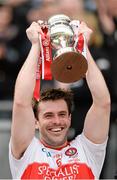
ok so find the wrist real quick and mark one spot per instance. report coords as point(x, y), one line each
point(36, 46)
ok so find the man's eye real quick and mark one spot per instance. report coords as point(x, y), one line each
point(48, 116)
point(62, 114)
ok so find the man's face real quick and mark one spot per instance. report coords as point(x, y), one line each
point(54, 122)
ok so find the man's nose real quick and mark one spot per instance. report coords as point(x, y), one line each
point(57, 119)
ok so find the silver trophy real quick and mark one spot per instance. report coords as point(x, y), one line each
point(68, 65)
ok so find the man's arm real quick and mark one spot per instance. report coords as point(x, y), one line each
point(96, 124)
point(23, 120)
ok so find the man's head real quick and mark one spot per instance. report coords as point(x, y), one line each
point(53, 114)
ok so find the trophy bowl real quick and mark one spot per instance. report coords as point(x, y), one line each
point(68, 65)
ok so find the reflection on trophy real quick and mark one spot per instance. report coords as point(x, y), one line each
point(68, 64)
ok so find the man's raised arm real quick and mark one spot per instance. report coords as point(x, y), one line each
point(96, 124)
point(23, 120)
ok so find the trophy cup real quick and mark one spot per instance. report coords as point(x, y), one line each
point(68, 64)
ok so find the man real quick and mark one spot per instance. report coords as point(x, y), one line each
point(52, 157)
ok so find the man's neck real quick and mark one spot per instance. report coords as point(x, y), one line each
point(59, 147)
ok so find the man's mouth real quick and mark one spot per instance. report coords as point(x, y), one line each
point(58, 129)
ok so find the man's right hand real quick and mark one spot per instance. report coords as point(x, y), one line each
point(33, 32)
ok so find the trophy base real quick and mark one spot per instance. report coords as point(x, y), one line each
point(69, 67)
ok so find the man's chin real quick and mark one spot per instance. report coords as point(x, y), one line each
point(56, 143)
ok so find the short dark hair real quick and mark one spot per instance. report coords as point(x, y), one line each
point(54, 94)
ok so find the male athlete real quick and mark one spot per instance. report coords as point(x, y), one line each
point(51, 156)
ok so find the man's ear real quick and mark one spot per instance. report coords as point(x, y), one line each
point(70, 117)
point(36, 124)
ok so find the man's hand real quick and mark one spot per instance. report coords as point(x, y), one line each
point(81, 28)
point(85, 30)
point(33, 32)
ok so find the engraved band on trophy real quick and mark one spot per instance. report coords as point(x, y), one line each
point(68, 64)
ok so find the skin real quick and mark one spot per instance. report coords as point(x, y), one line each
point(54, 122)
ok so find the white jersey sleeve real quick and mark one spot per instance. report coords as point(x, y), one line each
point(17, 166)
point(95, 153)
